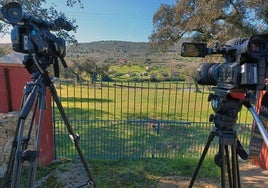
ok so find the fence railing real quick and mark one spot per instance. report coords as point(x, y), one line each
point(138, 120)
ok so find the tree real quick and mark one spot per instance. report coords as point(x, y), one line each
point(76, 68)
point(5, 49)
point(37, 10)
point(90, 67)
point(85, 68)
point(209, 19)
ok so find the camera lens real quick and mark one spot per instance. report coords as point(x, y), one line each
point(207, 73)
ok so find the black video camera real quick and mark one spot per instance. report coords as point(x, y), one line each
point(32, 36)
point(245, 66)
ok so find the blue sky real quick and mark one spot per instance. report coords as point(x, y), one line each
point(126, 20)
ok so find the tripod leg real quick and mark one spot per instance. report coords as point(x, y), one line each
point(228, 166)
point(229, 139)
point(16, 177)
point(238, 173)
point(32, 158)
point(14, 146)
point(223, 164)
point(235, 168)
point(20, 142)
point(12, 157)
point(71, 132)
point(210, 139)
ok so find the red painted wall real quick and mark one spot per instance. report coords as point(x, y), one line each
point(13, 78)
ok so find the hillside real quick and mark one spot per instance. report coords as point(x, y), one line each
point(131, 51)
point(114, 51)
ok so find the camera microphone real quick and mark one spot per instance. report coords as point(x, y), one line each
point(63, 23)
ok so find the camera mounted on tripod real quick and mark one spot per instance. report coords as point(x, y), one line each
point(244, 71)
point(32, 36)
point(245, 66)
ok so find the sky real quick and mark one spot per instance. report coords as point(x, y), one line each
point(124, 20)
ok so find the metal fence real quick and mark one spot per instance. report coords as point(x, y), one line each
point(138, 120)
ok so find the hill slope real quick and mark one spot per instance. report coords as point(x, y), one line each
point(133, 51)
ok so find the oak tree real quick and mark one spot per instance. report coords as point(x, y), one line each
point(209, 20)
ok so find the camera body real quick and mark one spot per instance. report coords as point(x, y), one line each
point(20, 39)
point(31, 35)
point(245, 66)
point(26, 39)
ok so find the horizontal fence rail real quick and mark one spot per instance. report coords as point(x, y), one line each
point(138, 120)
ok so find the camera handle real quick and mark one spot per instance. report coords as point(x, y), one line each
point(257, 120)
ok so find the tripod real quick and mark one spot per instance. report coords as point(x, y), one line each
point(226, 110)
point(34, 98)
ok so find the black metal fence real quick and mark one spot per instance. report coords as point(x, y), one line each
point(138, 120)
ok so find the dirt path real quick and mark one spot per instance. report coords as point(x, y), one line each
point(251, 177)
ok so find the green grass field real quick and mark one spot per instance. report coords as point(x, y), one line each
point(119, 100)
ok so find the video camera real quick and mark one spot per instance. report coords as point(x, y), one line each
point(32, 36)
point(245, 66)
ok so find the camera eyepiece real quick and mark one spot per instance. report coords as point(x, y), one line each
point(12, 12)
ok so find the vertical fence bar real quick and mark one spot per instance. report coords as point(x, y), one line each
point(128, 98)
point(175, 101)
point(81, 101)
point(182, 99)
point(134, 100)
point(162, 99)
point(108, 99)
point(141, 101)
point(100, 99)
point(121, 101)
point(114, 100)
point(169, 96)
point(155, 100)
point(148, 100)
point(202, 99)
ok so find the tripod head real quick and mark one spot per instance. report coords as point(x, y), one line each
point(226, 106)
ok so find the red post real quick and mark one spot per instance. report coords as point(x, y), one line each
point(4, 105)
point(13, 78)
point(46, 154)
point(258, 149)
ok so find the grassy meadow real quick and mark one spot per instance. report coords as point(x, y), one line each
point(128, 100)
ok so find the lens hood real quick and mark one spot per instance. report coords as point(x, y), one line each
point(12, 12)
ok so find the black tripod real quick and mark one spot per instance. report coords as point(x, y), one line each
point(34, 99)
point(226, 110)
